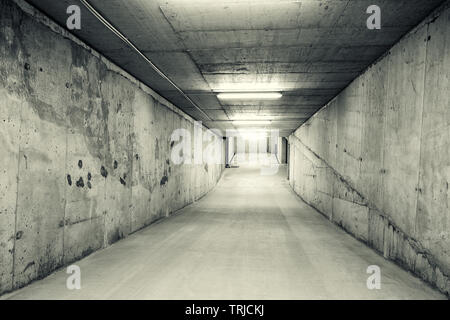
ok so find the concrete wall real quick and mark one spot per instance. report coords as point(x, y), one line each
point(281, 150)
point(376, 159)
point(84, 150)
point(231, 150)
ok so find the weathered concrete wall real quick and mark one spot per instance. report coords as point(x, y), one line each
point(84, 150)
point(231, 149)
point(376, 159)
point(281, 150)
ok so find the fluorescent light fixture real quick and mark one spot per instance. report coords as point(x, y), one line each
point(256, 122)
point(249, 95)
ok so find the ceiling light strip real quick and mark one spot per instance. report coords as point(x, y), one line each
point(130, 44)
point(249, 95)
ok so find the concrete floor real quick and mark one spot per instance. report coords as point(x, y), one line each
point(250, 238)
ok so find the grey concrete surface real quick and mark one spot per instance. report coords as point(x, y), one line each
point(249, 238)
point(85, 146)
point(85, 151)
point(375, 160)
point(308, 49)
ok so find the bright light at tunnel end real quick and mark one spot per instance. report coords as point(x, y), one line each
point(249, 95)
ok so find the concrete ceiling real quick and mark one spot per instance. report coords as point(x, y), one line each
point(307, 49)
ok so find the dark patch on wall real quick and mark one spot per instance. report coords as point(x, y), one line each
point(89, 176)
point(69, 179)
point(172, 143)
point(89, 185)
point(87, 252)
point(122, 181)
point(157, 149)
point(115, 236)
point(80, 164)
point(103, 172)
point(115, 164)
point(163, 181)
point(137, 156)
point(79, 58)
point(48, 264)
point(32, 263)
point(433, 20)
point(19, 235)
point(206, 167)
point(27, 66)
point(80, 183)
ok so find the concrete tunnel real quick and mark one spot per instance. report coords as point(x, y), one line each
point(235, 149)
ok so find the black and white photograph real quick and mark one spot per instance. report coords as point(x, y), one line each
point(221, 159)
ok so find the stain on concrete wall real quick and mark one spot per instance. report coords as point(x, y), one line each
point(83, 147)
point(376, 159)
